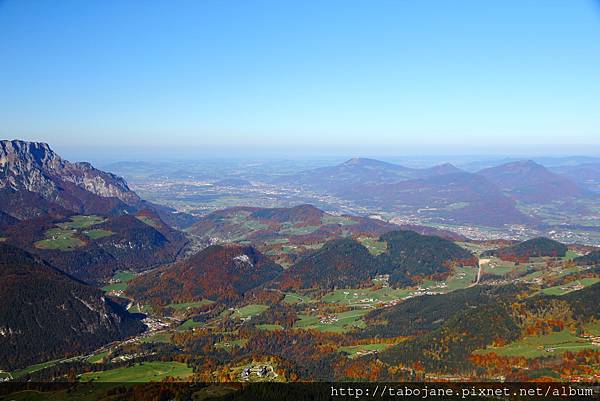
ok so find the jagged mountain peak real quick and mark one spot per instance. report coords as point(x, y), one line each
point(17, 151)
point(34, 167)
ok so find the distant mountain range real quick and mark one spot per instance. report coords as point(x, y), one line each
point(586, 175)
point(360, 172)
point(487, 197)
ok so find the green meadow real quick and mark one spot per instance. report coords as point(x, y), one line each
point(189, 324)
point(119, 281)
point(189, 305)
point(60, 239)
point(569, 287)
point(367, 297)
point(248, 311)
point(65, 236)
point(293, 298)
point(374, 246)
point(547, 345)
point(98, 233)
point(337, 323)
point(140, 373)
point(356, 350)
point(98, 357)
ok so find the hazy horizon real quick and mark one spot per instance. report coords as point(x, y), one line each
point(306, 79)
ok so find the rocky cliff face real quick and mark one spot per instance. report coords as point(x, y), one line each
point(33, 167)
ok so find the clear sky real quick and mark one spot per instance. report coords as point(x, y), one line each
point(355, 77)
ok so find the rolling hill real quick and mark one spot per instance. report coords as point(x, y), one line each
point(415, 255)
point(339, 263)
point(586, 175)
point(458, 197)
point(535, 247)
point(287, 233)
point(219, 272)
point(439, 192)
point(360, 172)
point(530, 182)
point(420, 315)
point(408, 257)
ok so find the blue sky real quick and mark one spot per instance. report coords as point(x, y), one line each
point(328, 77)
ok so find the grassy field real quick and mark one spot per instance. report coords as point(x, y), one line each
point(140, 373)
point(119, 281)
point(336, 323)
point(39, 366)
point(367, 297)
point(248, 311)
point(61, 239)
point(360, 350)
point(293, 298)
point(189, 324)
point(98, 357)
point(462, 277)
point(533, 347)
point(98, 233)
point(297, 230)
point(137, 308)
point(499, 267)
point(375, 247)
point(65, 237)
point(570, 255)
point(189, 305)
point(569, 287)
